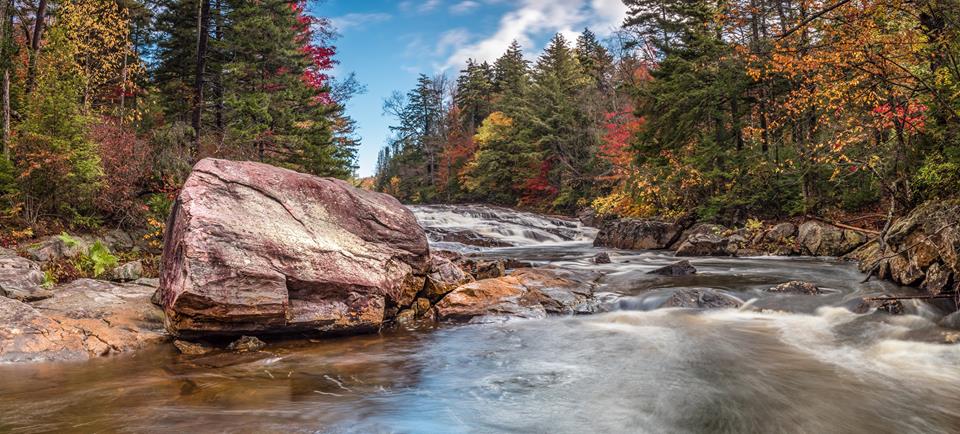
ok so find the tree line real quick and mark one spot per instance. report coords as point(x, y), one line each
point(108, 103)
point(727, 110)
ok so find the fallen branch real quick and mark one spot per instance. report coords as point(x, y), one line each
point(843, 226)
point(912, 297)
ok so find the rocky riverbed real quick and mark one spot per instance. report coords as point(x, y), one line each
point(279, 312)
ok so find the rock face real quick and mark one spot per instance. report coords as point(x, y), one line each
point(254, 248)
point(528, 293)
point(21, 278)
point(822, 239)
point(635, 234)
point(704, 245)
point(921, 249)
point(444, 276)
point(682, 268)
point(85, 318)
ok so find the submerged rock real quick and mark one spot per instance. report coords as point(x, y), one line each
point(636, 234)
point(191, 348)
point(602, 258)
point(682, 268)
point(246, 344)
point(528, 293)
point(796, 287)
point(701, 299)
point(254, 248)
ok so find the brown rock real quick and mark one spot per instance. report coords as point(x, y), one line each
point(250, 247)
point(937, 279)
point(601, 258)
point(191, 348)
point(822, 239)
point(246, 344)
point(635, 234)
point(903, 271)
point(83, 319)
point(780, 233)
point(528, 293)
point(444, 276)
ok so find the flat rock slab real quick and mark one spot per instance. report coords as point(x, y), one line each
point(83, 319)
point(527, 293)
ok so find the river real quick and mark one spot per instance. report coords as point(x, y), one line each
point(786, 363)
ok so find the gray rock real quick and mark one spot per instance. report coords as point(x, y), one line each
point(602, 258)
point(822, 239)
point(682, 268)
point(21, 278)
point(704, 245)
point(701, 299)
point(127, 272)
point(780, 232)
point(635, 234)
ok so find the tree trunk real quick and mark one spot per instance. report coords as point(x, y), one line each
point(203, 27)
point(35, 46)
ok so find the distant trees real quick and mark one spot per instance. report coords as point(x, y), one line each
point(107, 103)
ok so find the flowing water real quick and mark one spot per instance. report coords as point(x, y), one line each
point(787, 363)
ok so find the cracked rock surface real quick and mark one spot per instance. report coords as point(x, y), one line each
point(85, 318)
point(254, 248)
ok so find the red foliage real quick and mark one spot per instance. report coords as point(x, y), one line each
point(910, 115)
point(314, 35)
point(126, 166)
point(620, 127)
point(538, 190)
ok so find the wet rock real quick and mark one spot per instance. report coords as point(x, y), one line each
point(191, 348)
point(85, 318)
point(867, 305)
point(701, 299)
point(704, 245)
point(699, 229)
point(21, 278)
point(682, 268)
point(127, 272)
point(444, 276)
point(602, 258)
point(528, 293)
point(796, 287)
point(636, 234)
point(513, 264)
point(468, 238)
point(484, 268)
point(251, 248)
point(246, 344)
point(589, 217)
point(951, 321)
point(822, 239)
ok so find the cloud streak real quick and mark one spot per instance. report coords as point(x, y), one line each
point(358, 20)
point(533, 18)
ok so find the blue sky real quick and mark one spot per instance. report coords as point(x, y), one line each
point(388, 43)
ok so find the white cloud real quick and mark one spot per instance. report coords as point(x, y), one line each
point(464, 7)
point(451, 40)
point(422, 6)
point(357, 20)
point(535, 18)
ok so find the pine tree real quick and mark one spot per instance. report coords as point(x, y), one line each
point(473, 93)
point(511, 78)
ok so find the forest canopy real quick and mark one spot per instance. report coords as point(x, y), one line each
point(726, 110)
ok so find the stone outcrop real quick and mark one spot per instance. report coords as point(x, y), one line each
point(252, 248)
point(527, 293)
point(694, 298)
point(21, 278)
point(705, 244)
point(921, 249)
point(823, 239)
point(444, 276)
point(637, 234)
point(83, 319)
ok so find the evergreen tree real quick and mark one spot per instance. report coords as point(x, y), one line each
point(473, 93)
point(511, 78)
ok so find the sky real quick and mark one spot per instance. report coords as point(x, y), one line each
point(388, 43)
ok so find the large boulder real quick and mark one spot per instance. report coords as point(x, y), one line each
point(21, 278)
point(704, 244)
point(85, 318)
point(527, 293)
point(822, 239)
point(636, 234)
point(253, 248)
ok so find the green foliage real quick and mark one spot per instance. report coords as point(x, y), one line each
point(100, 259)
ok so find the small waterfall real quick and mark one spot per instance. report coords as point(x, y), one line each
point(490, 226)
